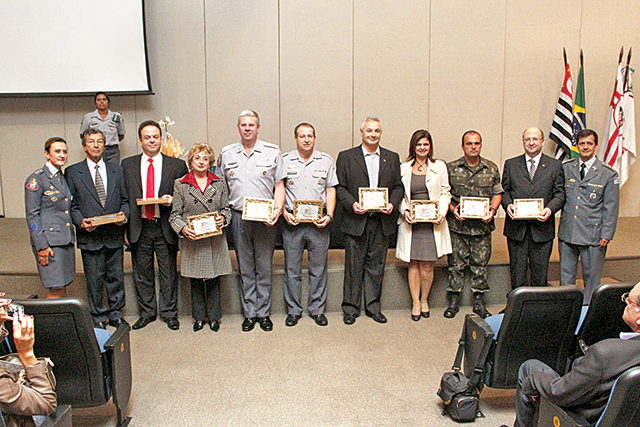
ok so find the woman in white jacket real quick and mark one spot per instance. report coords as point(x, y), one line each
point(421, 244)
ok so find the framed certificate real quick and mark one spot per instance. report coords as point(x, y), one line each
point(142, 202)
point(373, 198)
point(474, 207)
point(424, 210)
point(527, 208)
point(204, 225)
point(307, 210)
point(257, 209)
point(106, 219)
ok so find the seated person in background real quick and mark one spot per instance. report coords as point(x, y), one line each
point(19, 401)
point(585, 389)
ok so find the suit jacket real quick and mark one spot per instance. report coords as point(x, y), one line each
point(86, 204)
point(172, 169)
point(590, 212)
point(437, 181)
point(47, 203)
point(547, 184)
point(352, 174)
point(586, 388)
point(209, 257)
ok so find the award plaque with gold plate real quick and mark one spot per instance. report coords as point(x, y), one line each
point(204, 225)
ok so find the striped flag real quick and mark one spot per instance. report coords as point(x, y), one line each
point(579, 110)
point(620, 150)
point(561, 129)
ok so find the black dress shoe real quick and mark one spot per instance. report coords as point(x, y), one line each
point(248, 324)
point(415, 317)
point(198, 325)
point(349, 319)
point(215, 326)
point(425, 314)
point(320, 319)
point(116, 323)
point(378, 317)
point(173, 323)
point(142, 322)
point(265, 323)
point(100, 325)
point(292, 319)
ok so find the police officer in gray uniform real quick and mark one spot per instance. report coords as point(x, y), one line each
point(471, 176)
point(47, 201)
point(311, 175)
point(110, 123)
point(589, 216)
point(253, 169)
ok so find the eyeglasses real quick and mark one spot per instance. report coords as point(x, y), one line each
point(625, 299)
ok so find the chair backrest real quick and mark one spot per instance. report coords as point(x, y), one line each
point(64, 333)
point(539, 323)
point(623, 408)
point(604, 316)
point(477, 333)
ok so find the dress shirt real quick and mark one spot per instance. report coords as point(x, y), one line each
point(536, 161)
point(157, 176)
point(587, 164)
point(310, 180)
point(54, 170)
point(372, 161)
point(103, 172)
point(628, 335)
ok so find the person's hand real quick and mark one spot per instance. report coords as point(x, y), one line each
point(407, 217)
point(121, 218)
point(358, 209)
point(88, 225)
point(167, 200)
point(489, 216)
point(546, 213)
point(23, 337)
point(291, 220)
point(220, 221)
point(510, 211)
point(274, 217)
point(323, 222)
point(440, 219)
point(604, 242)
point(456, 213)
point(188, 233)
point(43, 256)
point(388, 210)
point(3, 311)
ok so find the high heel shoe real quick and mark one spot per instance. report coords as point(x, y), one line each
point(198, 325)
point(215, 326)
point(425, 314)
point(415, 317)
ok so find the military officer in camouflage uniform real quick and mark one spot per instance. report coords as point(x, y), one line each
point(471, 176)
point(589, 216)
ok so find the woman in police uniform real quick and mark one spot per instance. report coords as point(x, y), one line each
point(47, 202)
point(110, 123)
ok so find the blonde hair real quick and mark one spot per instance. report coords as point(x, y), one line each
point(200, 147)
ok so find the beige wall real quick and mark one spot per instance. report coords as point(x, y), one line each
point(445, 65)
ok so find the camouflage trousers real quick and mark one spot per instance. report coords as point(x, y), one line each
point(473, 252)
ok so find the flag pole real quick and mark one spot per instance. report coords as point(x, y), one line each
point(626, 73)
point(581, 59)
point(564, 54)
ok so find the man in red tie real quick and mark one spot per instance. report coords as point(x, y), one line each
point(150, 175)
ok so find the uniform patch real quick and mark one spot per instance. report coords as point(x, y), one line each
point(34, 226)
point(32, 185)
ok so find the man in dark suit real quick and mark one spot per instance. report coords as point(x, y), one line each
point(151, 175)
point(585, 389)
point(532, 175)
point(98, 189)
point(590, 215)
point(366, 233)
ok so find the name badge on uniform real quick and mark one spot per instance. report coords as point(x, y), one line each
point(264, 162)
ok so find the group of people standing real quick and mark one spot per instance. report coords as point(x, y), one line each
point(151, 196)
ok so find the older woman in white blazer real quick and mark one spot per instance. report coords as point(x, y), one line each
point(421, 244)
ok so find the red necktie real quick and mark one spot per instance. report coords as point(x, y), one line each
point(150, 210)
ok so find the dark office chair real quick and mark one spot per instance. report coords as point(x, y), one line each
point(622, 410)
point(539, 323)
point(85, 377)
point(604, 316)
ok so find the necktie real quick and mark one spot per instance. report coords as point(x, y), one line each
point(102, 194)
point(150, 210)
point(582, 168)
point(532, 168)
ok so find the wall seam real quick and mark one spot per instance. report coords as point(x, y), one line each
point(504, 80)
point(353, 70)
point(206, 69)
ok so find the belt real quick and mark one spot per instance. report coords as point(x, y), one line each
point(151, 221)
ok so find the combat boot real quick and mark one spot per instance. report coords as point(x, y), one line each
point(454, 302)
point(478, 305)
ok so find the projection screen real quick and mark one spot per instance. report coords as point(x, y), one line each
point(72, 47)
